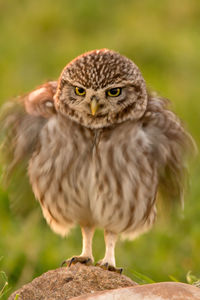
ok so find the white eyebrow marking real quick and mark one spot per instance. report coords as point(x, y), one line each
point(35, 93)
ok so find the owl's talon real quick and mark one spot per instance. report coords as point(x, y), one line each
point(71, 261)
point(78, 259)
point(63, 263)
point(118, 270)
point(108, 267)
point(105, 266)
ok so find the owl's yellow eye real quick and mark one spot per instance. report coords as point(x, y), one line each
point(114, 92)
point(80, 91)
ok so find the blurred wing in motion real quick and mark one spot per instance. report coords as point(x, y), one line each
point(21, 121)
point(171, 144)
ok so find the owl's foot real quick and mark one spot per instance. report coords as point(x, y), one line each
point(107, 266)
point(78, 259)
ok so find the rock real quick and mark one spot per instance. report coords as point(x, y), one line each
point(155, 291)
point(80, 282)
point(65, 283)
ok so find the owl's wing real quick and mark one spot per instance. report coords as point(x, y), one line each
point(21, 121)
point(171, 145)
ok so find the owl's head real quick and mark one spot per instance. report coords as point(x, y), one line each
point(101, 88)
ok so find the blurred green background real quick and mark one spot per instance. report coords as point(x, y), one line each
point(37, 39)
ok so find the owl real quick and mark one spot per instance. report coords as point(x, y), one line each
point(98, 147)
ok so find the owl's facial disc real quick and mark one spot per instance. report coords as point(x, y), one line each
point(95, 104)
point(101, 88)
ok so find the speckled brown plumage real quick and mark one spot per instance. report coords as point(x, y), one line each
point(103, 167)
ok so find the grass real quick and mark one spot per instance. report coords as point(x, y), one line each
point(3, 283)
point(162, 37)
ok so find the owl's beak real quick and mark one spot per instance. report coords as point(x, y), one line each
point(94, 106)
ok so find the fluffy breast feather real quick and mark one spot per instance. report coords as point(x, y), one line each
point(87, 179)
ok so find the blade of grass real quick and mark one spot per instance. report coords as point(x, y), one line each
point(2, 292)
point(4, 276)
point(142, 278)
point(173, 278)
point(191, 278)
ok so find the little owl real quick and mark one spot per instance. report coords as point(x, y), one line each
point(98, 147)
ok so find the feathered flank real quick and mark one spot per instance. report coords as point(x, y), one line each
point(171, 145)
point(19, 134)
point(21, 121)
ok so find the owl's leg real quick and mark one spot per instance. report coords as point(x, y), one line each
point(86, 256)
point(108, 262)
point(87, 234)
